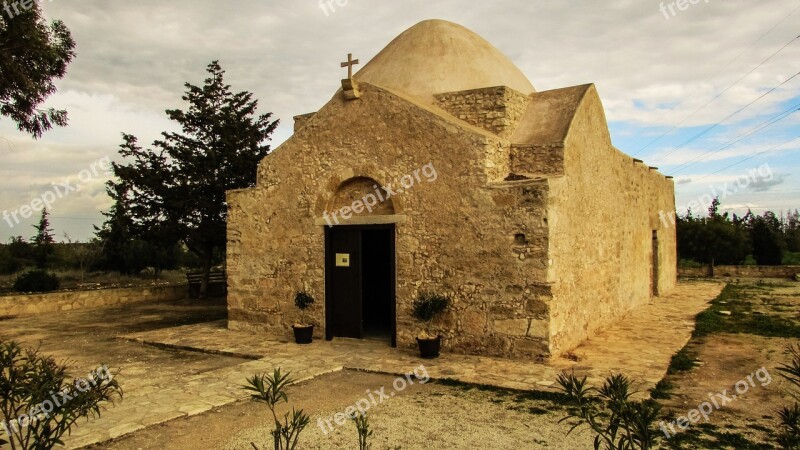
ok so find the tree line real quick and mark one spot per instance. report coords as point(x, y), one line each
point(729, 239)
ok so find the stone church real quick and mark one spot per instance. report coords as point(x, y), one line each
point(438, 167)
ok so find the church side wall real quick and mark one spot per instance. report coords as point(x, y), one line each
point(483, 243)
point(603, 214)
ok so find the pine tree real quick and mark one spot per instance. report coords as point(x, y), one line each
point(177, 189)
point(43, 241)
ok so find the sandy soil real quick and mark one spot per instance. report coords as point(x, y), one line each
point(429, 416)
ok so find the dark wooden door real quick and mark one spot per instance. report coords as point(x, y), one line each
point(343, 307)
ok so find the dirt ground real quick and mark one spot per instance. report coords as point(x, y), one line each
point(749, 356)
point(422, 416)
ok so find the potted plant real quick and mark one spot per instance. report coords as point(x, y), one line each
point(427, 307)
point(303, 331)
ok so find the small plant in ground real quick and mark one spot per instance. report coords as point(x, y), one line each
point(37, 402)
point(303, 301)
point(619, 423)
point(789, 436)
point(271, 389)
point(364, 433)
point(427, 307)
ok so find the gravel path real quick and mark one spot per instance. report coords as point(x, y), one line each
point(444, 417)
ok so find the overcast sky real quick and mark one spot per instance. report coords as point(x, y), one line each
point(672, 81)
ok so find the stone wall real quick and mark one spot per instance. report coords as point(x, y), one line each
point(602, 216)
point(496, 109)
point(467, 235)
point(18, 305)
point(537, 160)
point(741, 271)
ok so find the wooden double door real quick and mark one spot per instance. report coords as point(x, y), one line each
point(360, 282)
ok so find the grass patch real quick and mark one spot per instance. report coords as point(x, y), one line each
point(534, 410)
point(557, 398)
point(738, 300)
point(519, 395)
point(683, 361)
point(708, 437)
point(761, 428)
point(450, 382)
point(662, 390)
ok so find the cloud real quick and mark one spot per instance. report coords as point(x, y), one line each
point(134, 57)
point(766, 184)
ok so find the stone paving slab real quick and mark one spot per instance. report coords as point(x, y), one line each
point(640, 345)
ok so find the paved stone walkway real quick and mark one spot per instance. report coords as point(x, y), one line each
point(640, 345)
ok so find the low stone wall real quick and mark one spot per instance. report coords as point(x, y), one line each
point(741, 272)
point(18, 305)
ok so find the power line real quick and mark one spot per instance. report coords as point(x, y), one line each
point(741, 137)
point(704, 132)
point(751, 157)
point(723, 68)
point(675, 127)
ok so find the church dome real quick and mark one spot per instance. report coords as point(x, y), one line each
point(437, 56)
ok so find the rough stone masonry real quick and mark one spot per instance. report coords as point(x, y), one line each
point(537, 227)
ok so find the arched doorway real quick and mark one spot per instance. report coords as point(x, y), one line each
point(360, 263)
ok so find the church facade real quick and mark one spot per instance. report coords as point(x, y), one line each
point(438, 167)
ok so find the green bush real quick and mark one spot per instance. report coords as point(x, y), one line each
point(28, 381)
point(689, 264)
point(271, 389)
point(303, 301)
point(8, 264)
point(36, 281)
point(618, 422)
point(789, 430)
point(429, 305)
point(791, 259)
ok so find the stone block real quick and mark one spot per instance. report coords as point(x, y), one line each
point(539, 329)
point(473, 322)
point(511, 327)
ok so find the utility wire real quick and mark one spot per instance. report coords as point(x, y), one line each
point(675, 127)
point(704, 132)
point(751, 157)
point(741, 137)
point(723, 68)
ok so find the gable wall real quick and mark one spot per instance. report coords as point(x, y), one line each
point(459, 235)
